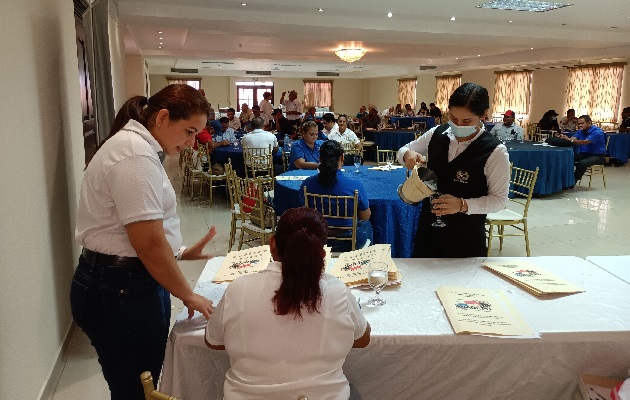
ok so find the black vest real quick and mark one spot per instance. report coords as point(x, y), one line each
point(462, 177)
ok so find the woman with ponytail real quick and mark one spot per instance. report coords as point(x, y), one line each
point(289, 328)
point(333, 181)
point(129, 230)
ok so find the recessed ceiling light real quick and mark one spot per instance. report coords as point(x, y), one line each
point(320, 9)
point(161, 38)
point(389, 14)
point(160, 47)
point(457, 58)
point(160, 32)
point(523, 5)
point(452, 18)
point(161, 43)
point(243, 4)
point(510, 21)
point(478, 55)
point(531, 48)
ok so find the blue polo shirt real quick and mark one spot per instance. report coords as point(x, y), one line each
point(597, 138)
point(220, 136)
point(345, 186)
point(300, 149)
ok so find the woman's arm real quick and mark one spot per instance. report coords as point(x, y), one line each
point(148, 240)
point(364, 215)
point(303, 164)
point(364, 340)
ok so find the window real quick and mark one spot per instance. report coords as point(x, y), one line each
point(595, 91)
point(252, 93)
point(407, 92)
point(512, 91)
point(190, 82)
point(444, 88)
point(318, 94)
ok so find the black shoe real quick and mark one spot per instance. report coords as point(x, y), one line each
point(571, 187)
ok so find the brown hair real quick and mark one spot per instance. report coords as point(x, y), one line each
point(181, 101)
point(300, 238)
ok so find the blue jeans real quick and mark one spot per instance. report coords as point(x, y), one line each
point(126, 314)
point(364, 232)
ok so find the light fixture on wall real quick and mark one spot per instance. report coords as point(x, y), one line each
point(350, 55)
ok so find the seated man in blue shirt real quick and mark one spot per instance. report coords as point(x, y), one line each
point(305, 152)
point(224, 134)
point(332, 181)
point(592, 146)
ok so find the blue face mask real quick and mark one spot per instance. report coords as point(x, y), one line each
point(462, 131)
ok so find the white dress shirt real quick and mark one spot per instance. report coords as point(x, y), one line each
point(235, 124)
point(125, 183)
point(568, 125)
point(348, 136)
point(496, 170)
point(260, 139)
point(295, 105)
point(278, 356)
point(503, 132)
point(266, 109)
point(332, 131)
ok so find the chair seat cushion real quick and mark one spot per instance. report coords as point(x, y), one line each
point(504, 215)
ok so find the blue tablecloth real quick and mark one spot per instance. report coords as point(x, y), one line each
point(555, 164)
point(489, 125)
point(406, 122)
point(221, 155)
point(389, 139)
point(618, 146)
point(394, 222)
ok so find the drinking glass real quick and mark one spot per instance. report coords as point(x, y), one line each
point(377, 279)
point(357, 162)
point(389, 160)
point(438, 222)
point(236, 143)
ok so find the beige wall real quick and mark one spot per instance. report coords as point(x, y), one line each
point(425, 90)
point(350, 95)
point(548, 92)
point(134, 76)
point(382, 92)
point(41, 163)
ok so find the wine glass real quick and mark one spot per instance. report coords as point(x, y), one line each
point(438, 222)
point(389, 160)
point(235, 142)
point(377, 279)
point(357, 162)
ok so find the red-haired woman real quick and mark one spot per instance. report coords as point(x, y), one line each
point(289, 328)
point(127, 225)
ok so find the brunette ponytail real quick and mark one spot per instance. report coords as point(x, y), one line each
point(329, 154)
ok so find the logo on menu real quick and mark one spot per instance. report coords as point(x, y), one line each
point(474, 305)
point(461, 176)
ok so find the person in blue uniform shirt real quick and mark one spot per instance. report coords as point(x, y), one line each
point(473, 172)
point(591, 143)
point(333, 181)
point(305, 152)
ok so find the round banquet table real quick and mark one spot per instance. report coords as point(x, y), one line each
point(222, 154)
point(555, 164)
point(389, 139)
point(406, 122)
point(393, 221)
point(618, 145)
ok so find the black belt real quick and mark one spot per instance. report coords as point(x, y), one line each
point(108, 260)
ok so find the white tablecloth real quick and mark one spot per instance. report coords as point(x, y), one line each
point(414, 353)
point(616, 265)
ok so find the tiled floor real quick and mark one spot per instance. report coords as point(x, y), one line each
point(578, 222)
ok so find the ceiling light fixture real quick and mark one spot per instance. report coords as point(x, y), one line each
point(389, 14)
point(452, 18)
point(320, 9)
point(160, 47)
point(523, 5)
point(350, 55)
point(161, 43)
point(160, 32)
point(243, 4)
point(510, 21)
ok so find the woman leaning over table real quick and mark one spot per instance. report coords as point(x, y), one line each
point(305, 152)
point(473, 173)
point(289, 328)
point(129, 230)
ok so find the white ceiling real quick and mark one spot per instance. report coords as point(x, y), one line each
point(293, 39)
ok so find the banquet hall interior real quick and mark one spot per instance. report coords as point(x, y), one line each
point(138, 46)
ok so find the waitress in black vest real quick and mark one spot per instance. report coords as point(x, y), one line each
point(473, 173)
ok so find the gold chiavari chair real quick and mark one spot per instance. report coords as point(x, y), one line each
point(597, 169)
point(522, 184)
point(258, 219)
point(336, 209)
point(258, 161)
point(149, 388)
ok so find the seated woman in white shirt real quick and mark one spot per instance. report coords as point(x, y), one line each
point(289, 328)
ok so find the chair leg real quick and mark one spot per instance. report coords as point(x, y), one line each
point(240, 242)
point(489, 239)
point(501, 228)
point(590, 179)
point(232, 232)
point(210, 190)
point(526, 238)
point(604, 177)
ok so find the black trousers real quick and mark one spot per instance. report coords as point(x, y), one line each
point(585, 160)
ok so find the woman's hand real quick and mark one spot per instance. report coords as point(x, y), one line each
point(412, 159)
point(198, 303)
point(195, 252)
point(446, 204)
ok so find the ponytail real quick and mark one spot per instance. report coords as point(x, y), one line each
point(329, 154)
point(300, 237)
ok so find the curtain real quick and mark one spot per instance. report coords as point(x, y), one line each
point(512, 91)
point(318, 94)
point(595, 91)
point(190, 82)
point(407, 92)
point(444, 87)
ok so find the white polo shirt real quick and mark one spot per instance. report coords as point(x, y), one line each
point(295, 105)
point(280, 357)
point(125, 183)
point(348, 136)
point(259, 138)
